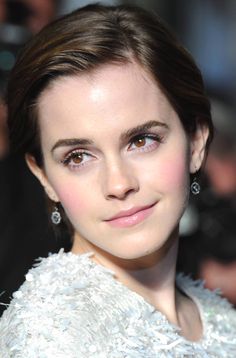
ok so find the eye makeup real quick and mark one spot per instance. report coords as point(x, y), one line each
point(143, 138)
point(141, 143)
point(145, 142)
point(124, 137)
point(77, 158)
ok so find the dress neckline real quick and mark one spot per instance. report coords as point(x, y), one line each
point(179, 285)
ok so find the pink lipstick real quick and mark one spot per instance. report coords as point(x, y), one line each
point(131, 217)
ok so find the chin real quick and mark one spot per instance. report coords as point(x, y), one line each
point(135, 251)
point(146, 248)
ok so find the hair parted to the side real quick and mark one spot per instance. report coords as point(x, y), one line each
point(88, 38)
point(93, 36)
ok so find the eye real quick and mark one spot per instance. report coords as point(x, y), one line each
point(145, 142)
point(140, 142)
point(76, 159)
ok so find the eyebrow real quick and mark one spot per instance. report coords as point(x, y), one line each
point(132, 132)
point(141, 128)
point(71, 142)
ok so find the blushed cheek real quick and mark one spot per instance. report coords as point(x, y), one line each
point(73, 201)
point(173, 174)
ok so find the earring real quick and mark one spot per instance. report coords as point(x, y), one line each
point(56, 216)
point(195, 187)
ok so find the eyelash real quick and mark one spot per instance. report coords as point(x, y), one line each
point(155, 137)
point(72, 155)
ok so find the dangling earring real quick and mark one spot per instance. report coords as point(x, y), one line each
point(195, 187)
point(56, 216)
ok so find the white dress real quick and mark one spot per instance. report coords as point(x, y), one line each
point(70, 307)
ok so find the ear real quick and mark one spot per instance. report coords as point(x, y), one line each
point(41, 176)
point(198, 147)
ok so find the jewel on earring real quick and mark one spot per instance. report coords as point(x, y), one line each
point(195, 187)
point(56, 216)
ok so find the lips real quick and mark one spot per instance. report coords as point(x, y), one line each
point(131, 217)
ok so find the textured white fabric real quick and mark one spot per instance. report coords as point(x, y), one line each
point(70, 307)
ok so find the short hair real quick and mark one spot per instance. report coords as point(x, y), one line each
point(88, 38)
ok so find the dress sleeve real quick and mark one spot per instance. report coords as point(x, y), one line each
point(45, 330)
point(27, 334)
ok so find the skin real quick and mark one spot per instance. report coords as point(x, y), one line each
point(120, 172)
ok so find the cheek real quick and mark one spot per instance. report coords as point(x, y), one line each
point(174, 174)
point(73, 198)
point(168, 169)
point(169, 172)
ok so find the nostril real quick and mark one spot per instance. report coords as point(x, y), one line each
point(121, 194)
point(119, 179)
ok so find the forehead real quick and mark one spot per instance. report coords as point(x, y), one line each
point(112, 96)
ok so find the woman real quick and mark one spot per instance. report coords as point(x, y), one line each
point(111, 114)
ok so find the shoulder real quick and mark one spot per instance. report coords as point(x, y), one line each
point(203, 296)
point(217, 314)
point(46, 308)
point(57, 275)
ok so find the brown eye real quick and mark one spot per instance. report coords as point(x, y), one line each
point(140, 142)
point(77, 158)
point(145, 142)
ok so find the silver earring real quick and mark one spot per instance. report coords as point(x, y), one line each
point(56, 216)
point(195, 187)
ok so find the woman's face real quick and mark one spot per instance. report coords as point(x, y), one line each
point(117, 158)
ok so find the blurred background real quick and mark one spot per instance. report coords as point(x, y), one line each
point(207, 28)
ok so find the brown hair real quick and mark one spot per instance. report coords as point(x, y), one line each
point(86, 39)
point(91, 37)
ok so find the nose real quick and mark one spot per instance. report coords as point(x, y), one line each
point(119, 181)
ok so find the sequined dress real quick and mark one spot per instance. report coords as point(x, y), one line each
point(70, 307)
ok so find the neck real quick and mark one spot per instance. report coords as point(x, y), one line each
point(155, 282)
point(152, 276)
